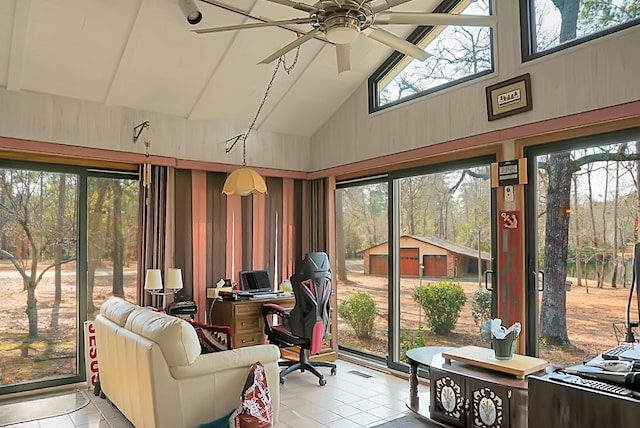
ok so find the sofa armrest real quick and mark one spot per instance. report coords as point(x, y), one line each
point(226, 360)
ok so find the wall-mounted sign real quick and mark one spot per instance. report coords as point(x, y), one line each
point(509, 97)
point(510, 273)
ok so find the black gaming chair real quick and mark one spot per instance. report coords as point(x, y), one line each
point(308, 322)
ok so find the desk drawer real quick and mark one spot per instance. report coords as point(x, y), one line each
point(248, 324)
point(242, 340)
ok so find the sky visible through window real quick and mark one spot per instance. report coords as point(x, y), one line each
point(456, 52)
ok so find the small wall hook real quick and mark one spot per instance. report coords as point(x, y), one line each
point(137, 130)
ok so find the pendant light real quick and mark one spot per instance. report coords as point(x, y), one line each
point(245, 181)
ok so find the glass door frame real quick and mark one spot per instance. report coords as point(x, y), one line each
point(82, 175)
point(394, 250)
point(534, 280)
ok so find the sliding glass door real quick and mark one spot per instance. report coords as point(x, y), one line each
point(413, 249)
point(43, 255)
point(362, 285)
point(443, 242)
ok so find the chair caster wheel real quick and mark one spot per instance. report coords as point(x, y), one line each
point(322, 382)
point(281, 381)
point(333, 371)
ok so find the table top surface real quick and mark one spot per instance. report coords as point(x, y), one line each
point(425, 354)
point(520, 365)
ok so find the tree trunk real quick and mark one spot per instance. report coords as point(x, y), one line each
point(614, 275)
point(118, 241)
point(32, 309)
point(576, 223)
point(594, 238)
point(553, 319)
point(342, 264)
point(603, 255)
point(60, 234)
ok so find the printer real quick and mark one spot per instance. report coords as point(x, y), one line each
point(183, 309)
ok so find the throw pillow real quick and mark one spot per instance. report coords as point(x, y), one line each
point(213, 338)
point(255, 410)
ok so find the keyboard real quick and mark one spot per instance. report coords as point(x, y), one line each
point(614, 353)
point(259, 296)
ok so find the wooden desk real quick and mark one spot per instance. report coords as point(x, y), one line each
point(245, 318)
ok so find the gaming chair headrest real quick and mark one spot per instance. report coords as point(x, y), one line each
point(315, 264)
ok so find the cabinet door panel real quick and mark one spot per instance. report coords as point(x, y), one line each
point(489, 404)
point(447, 398)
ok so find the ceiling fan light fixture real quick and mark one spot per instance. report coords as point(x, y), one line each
point(244, 181)
point(341, 29)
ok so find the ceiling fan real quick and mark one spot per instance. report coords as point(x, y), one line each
point(341, 21)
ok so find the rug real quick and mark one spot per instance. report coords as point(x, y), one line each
point(409, 421)
point(48, 406)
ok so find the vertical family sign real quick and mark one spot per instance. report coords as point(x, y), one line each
point(510, 278)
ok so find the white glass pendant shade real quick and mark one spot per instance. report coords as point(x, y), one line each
point(244, 182)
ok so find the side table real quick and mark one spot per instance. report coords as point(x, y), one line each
point(420, 357)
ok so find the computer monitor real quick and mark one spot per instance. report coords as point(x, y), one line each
point(254, 281)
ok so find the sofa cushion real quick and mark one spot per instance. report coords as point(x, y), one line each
point(117, 309)
point(177, 340)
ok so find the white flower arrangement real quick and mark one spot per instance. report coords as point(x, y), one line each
point(493, 329)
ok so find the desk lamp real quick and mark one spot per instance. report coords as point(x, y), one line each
point(153, 283)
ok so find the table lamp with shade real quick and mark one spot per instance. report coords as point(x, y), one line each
point(153, 283)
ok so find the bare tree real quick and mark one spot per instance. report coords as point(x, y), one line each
point(22, 201)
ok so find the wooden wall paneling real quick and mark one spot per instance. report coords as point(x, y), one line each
point(199, 209)
point(288, 227)
point(234, 237)
point(246, 239)
point(183, 247)
point(216, 228)
point(258, 245)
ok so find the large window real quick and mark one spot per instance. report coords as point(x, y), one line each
point(552, 25)
point(458, 53)
point(412, 246)
point(68, 239)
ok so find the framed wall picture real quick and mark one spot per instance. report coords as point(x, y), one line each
point(510, 97)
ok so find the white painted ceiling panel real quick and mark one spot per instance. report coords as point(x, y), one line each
point(74, 46)
point(142, 54)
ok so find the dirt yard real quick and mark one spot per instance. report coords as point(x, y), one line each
point(53, 353)
point(590, 318)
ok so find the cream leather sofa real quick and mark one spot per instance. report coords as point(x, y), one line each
point(151, 369)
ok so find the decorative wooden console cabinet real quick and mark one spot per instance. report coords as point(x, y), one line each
point(466, 394)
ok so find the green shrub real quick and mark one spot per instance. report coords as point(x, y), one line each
point(410, 340)
point(442, 304)
point(359, 311)
point(481, 307)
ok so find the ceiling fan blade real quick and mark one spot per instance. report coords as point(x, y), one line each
point(297, 42)
point(417, 18)
point(396, 43)
point(296, 5)
point(343, 55)
point(379, 5)
point(253, 25)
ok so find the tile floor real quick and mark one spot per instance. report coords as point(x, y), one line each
point(356, 397)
